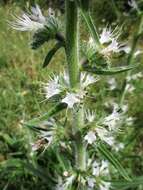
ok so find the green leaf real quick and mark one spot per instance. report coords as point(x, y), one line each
point(51, 53)
point(56, 109)
point(113, 160)
point(110, 71)
point(15, 164)
point(135, 182)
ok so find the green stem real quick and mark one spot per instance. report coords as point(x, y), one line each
point(72, 52)
point(131, 56)
point(72, 43)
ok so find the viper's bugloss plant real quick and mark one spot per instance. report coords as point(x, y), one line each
point(84, 142)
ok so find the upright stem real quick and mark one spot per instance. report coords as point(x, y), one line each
point(72, 52)
point(72, 42)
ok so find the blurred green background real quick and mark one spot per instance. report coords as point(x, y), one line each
point(21, 76)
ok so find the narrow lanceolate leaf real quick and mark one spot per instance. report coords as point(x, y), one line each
point(108, 71)
point(51, 53)
point(56, 109)
point(127, 184)
point(113, 160)
point(18, 164)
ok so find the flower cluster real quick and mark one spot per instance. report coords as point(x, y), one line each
point(60, 84)
point(108, 127)
point(109, 41)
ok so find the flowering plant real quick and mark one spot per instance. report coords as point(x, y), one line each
point(84, 141)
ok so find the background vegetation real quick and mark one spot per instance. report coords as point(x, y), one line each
point(21, 77)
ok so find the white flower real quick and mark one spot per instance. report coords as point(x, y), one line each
point(111, 37)
point(105, 36)
point(105, 136)
point(113, 84)
point(90, 137)
point(112, 119)
point(104, 166)
point(52, 87)
point(108, 35)
point(71, 99)
point(91, 182)
point(90, 116)
point(87, 79)
point(114, 47)
point(133, 4)
point(29, 22)
point(100, 168)
point(37, 15)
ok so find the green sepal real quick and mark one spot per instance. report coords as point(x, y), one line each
point(102, 148)
point(45, 34)
point(51, 53)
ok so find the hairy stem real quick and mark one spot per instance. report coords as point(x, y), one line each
point(72, 51)
point(72, 43)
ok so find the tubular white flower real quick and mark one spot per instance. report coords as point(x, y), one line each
point(108, 35)
point(71, 99)
point(29, 22)
point(89, 115)
point(87, 79)
point(52, 87)
point(36, 14)
point(90, 137)
point(91, 182)
point(100, 168)
point(109, 40)
point(114, 47)
point(105, 136)
point(112, 119)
